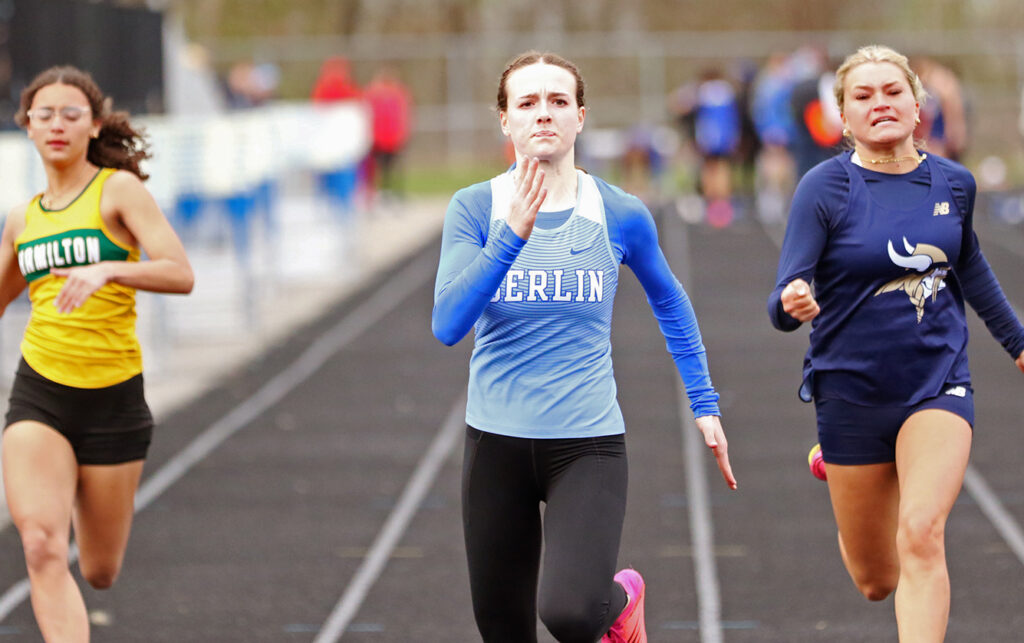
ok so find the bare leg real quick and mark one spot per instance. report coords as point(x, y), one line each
point(103, 518)
point(931, 456)
point(40, 476)
point(716, 179)
point(865, 499)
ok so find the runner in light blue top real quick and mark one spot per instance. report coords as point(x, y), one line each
point(541, 366)
point(529, 260)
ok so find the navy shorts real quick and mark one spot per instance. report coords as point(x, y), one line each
point(854, 434)
point(109, 425)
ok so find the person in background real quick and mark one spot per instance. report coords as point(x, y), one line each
point(251, 85)
point(710, 110)
point(943, 126)
point(529, 260)
point(880, 255)
point(335, 82)
point(391, 106)
point(78, 427)
point(819, 129)
point(341, 185)
point(773, 121)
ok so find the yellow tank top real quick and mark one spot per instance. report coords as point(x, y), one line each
point(94, 345)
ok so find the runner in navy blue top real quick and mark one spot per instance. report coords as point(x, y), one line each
point(884, 234)
point(529, 262)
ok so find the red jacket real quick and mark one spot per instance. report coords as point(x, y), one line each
point(391, 106)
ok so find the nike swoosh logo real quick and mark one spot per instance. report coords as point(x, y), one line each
point(576, 251)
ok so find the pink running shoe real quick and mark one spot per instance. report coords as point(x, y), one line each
point(816, 462)
point(629, 627)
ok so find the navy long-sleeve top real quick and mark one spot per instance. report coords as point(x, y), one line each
point(892, 258)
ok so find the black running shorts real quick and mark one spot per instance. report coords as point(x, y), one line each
point(109, 425)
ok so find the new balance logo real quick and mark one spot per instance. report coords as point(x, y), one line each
point(958, 391)
point(941, 208)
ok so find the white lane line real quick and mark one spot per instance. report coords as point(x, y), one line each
point(386, 299)
point(978, 487)
point(13, 597)
point(994, 510)
point(394, 528)
point(701, 527)
point(709, 600)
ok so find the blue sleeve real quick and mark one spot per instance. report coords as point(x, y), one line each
point(632, 227)
point(820, 190)
point(980, 287)
point(471, 266)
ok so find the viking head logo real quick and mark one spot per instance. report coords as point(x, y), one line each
point(927, 282)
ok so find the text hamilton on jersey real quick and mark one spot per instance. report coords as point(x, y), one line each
point(71, 250)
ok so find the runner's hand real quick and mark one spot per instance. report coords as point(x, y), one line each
point(1020, 361)
point(714, 437)
point(529, 194)
point(82, 282)
point(798, 302)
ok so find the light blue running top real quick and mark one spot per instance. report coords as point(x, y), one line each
point(542, 309)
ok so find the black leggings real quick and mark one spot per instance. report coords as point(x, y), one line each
point(582, 481)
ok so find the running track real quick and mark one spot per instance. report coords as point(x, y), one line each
point(315, 495)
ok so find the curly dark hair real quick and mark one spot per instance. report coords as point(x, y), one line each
point(118, 145)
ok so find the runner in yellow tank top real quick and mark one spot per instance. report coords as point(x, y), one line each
point(78, 427)
point(94, 345)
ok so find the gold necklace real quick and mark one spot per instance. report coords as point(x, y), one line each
point(897, 159)
point(48, 200)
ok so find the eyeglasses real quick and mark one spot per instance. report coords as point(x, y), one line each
point(69, 114)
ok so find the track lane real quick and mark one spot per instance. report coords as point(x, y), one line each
point(258, 541)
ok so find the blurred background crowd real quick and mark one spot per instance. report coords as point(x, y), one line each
point(709, 99)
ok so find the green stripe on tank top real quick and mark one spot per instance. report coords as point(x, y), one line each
point(67, 249)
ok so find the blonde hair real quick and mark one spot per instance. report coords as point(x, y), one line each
point(877, 54)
